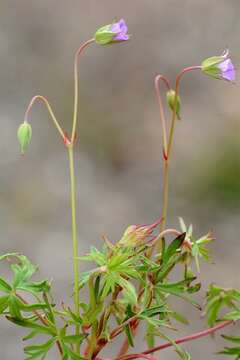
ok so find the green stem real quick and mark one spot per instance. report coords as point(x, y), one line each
point(74, 234)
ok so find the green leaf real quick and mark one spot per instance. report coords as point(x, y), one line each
point(32, 325)
point(150, 338)
point(179, 317)
point(154, 322)
point(167, 267)
point(129, 335)
point(178, 289)
point(97, 287)
point(129, 291)
point(4, 286)
point(77, 320)
point(8, 256)
point(173, 247)
point(96, 256)
point(45, 347)
point(154, 310)
point(4, 303)
point(30, 336)
point(14, 307)
point(233, 315)
point(36, 287)
point(72, 354)
point(74, 339)
point(83, 278)
point(23, 271)
point(234, 339)
point(32, 307)
point(231, 351)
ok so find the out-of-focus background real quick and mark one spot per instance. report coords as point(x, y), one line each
point(119, 165)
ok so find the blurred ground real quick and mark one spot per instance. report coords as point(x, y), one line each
point(119, 158)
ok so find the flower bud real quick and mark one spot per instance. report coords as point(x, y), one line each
point(219, 67)
point(171, 102)
point(136, 235)
point(116, 32)
point(24, 135)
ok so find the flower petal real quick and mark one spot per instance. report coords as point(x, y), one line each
point(227, 70)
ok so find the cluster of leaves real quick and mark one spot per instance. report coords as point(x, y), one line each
point(224, 304)
point(126, 286)
point(129, 287)
point(38, 317)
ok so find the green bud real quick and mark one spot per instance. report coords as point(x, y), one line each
point(24, 135)
point(171, 101)
point(210, 66)
point(104, 35)
point(189, 274)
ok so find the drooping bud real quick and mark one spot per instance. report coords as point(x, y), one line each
point(24, 135)
point(171, 102)
point(219, 67)
point(116, 32)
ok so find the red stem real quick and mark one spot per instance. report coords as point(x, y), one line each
point(197, 335)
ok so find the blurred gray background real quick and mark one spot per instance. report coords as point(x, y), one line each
point(119, 164)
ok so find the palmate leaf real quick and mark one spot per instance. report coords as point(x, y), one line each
point(95, 256)
point(23, 270)
point(15, 306)
point(218, 298)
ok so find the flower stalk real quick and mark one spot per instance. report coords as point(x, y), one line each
point(76, 86)
point(167, 154)
point(49, 108)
